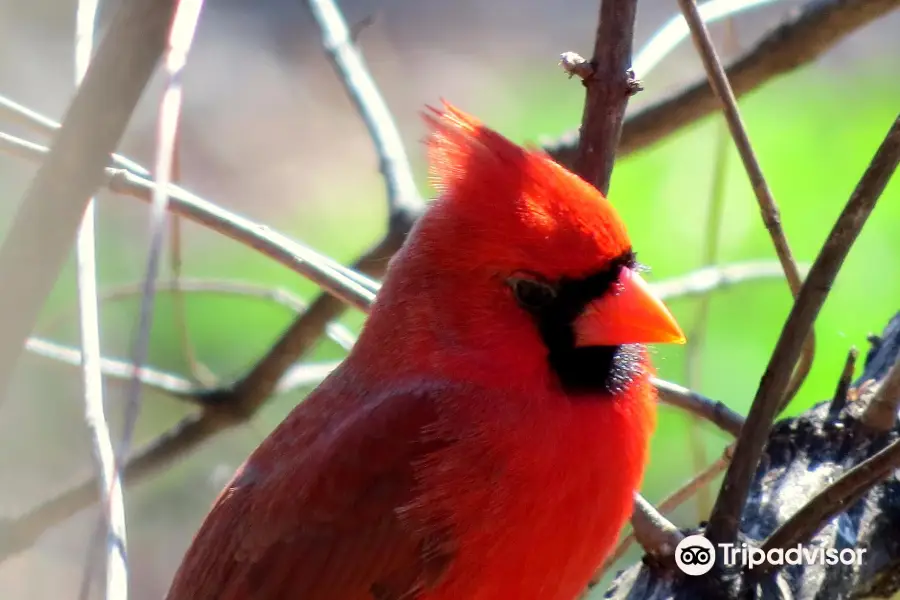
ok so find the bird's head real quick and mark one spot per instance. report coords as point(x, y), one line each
point(529, 246)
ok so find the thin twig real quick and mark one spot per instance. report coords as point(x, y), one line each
point(297, 377)
point(184, 24)
point(404, 205)
point(351, 69)
point(803, 37)
point(839, 400)
point(608, 88)
point(725, 519)
point(697, 336)
point(700, 406)
point(838, 497)
point(174, 385)
point(703, 281)
point(718, 80)
point(338, 333)
point(881, 413)
point(112, 505)
point(655, 533)
point(197, 369)
point(349, 286)
point(73, 169)
point(665, 39)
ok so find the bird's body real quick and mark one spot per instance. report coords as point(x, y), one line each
point(476, 443)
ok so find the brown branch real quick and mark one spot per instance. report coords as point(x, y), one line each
point(769, 208)
point(700, 406)
point(655, 533)
point(804, 455)
point(802, 38)
point(725, 519)
point(832, 501)
point(839, 400)
point(881, 414)
point(609, 86)
point(73, 168)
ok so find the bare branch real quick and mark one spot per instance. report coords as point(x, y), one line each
point(112, 504)
point(174, 385)
point(73, 169)
point(769, 208)
point(575, 64)
point(881, 413)
point(198, 370)
point(184, 24)
point(697, 336)
point(725, 519)
point(298, 376)
point(665, 39)
point(349, 286)
point(655, 533)
point(404, 206)
point(839, 401)
point(608, 89)
point(700, 406)
point(833, 500)
point(342, 336)
point(708, 279)
point(802, 38)
point(348, 63)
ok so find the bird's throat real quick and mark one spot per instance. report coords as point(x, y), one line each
point(605, 370)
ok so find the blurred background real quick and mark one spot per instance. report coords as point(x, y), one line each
point(268, 132)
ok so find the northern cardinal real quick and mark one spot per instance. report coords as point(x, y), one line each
point(484, 438)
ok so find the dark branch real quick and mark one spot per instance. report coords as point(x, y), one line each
point(608, 88)
point(833, 500)
point(804, 36)
point(881, 413)
point(839, 401)
point(724, 522)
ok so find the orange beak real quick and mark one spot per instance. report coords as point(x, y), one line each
point(629, 314)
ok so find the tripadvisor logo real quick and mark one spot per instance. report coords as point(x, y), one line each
point(696, 555)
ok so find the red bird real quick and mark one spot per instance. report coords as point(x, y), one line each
point(485, 436)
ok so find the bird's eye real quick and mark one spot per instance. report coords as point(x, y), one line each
point(532, 294)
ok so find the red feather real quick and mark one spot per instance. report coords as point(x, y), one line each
point(444, 459)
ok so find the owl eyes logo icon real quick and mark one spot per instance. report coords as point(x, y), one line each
point(695, 555)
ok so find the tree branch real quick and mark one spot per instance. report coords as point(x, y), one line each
point(348, 285)
point(73, 169)
point(767, 205)
point(846, 491)
point(802, 38)
point(881, 413)
point(700, 406)
point(608, 89)
point(804, 455)
point(724, 522)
